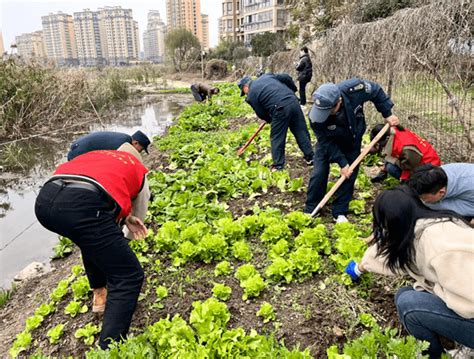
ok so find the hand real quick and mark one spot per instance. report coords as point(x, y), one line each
point(393, 120)
point(136, 227)
point(353, 270)
point(346, 172)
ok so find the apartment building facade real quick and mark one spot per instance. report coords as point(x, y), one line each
point(154, 38)
point(59, 39)
point(186, 14)
point(31, 46)
point(230, 23)
point(119, 35)
point(242, 20)
point(88, 40)
point(205, 32)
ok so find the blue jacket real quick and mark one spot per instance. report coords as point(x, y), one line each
point(98, 141)
point(343, 132)
point(270, 91)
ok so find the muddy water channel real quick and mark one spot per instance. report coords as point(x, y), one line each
point(22, 239)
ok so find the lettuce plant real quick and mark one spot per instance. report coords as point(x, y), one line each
point(74, 308)
point(87, 332)
point(221, 291)
point(280, 269)
point(222, 268)
point(245, 271)
point(241, 251)
point(267, 312)
point(252, 286)
point(55, 333)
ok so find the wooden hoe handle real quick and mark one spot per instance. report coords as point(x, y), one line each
point(244, 147)
point(352, 166)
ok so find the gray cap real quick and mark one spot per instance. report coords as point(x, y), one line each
point(142, 139)
point(325, 98)
point(243, 81)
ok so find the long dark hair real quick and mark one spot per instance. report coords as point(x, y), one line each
point(395, 214)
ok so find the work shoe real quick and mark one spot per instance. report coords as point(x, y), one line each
point(99, 300)
point(379, 178)
point(275, 168)
point(341, 219)
point(462, 352)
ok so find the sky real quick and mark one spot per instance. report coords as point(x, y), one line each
point(17, 16)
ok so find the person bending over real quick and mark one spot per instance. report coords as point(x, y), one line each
point(201, 91)
point(449, 186)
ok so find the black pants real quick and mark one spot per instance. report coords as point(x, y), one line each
point(197, 96)
point(289, 116)
point(319, 180)
point(302, 90)
point(87, 218)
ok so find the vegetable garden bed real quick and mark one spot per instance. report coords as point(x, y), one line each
point(233, 267)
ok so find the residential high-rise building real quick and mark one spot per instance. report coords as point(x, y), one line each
point(261, 16)
point(119, 36)
point(88, 40)
point(230, 22)
point(185, 14)
point(2, 48)
point(243, 19)
point(154, 37)
point(58, 35)
point(205, 32)
point(31, 46)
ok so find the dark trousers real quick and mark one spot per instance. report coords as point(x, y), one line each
point(426, 317)
point(197, 96)
point(302, 91)
point(87, 218)
point(393, 170)
point(289, 116)
point(319, 180)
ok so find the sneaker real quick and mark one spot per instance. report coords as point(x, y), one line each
point(341, 219)
point(462, 352)
point(99, 300)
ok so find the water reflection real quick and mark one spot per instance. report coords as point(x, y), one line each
point(23, 239)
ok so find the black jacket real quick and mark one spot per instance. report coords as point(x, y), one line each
point(304, 68)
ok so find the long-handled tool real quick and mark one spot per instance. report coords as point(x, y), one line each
point(244, 147)
point(352, 166)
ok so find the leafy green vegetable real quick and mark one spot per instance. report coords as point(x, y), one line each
point(222, 268)
point(55, 333)
point(81, 288)
point(280, 269)
point(209, 317)
point(298, 220)
point(87, 332)
point(161, 292)
point(74, 308)
point(212, 247)
point(367, 320)
point(221, 291)
point(267, 312)
point(357, 206)
point(21, 343)
point(241, 250)
point(33, 322)
point(275, 232)
point(305, 261)
point(63, 248)
point(315, 238)
point(252, 286)
point(45, 309)
point(245, 271)
point(60, 291)
point(279, 249)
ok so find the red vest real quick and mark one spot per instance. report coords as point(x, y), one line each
point(120, 173)
point(408, 138)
